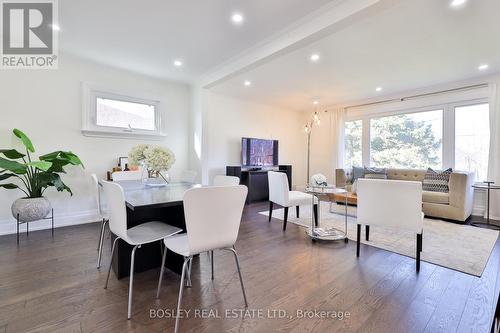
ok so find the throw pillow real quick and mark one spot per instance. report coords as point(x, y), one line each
point(375, 173)
point(357, 172)
point(437, 181)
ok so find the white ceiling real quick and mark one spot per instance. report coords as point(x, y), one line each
point(146, 36)
point(409, 45)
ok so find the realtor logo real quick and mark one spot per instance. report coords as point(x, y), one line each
point(29, 39)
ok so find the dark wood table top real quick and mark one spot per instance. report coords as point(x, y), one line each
point(138, 195)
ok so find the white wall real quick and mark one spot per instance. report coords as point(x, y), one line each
point(46, 104)
point(226, 120)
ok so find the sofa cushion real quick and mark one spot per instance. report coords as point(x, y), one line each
point(436, 197)
point(437, 181)
point(375, 173)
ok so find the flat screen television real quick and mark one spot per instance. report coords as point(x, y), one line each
point(259, 152)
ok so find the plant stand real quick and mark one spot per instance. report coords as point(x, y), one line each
point(51, 217)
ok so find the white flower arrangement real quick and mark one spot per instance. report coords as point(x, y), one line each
point(319, 180)
point(154, 158)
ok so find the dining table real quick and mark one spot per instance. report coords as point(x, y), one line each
point(144, 204)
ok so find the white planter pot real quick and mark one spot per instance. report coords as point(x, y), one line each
point(31, 209)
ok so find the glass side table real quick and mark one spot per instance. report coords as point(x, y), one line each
point(320, 233)
point(488, 186)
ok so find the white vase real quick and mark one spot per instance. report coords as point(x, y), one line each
point(31, 209)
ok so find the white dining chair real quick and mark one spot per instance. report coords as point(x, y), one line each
point(188, 176)
point(137, 236)
point(280, 194)
point(393, 204)
point(221, 180)
point(213, 216)
point(102, 216)
point(118, 176)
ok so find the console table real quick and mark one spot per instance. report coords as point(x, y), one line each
point(256, 180)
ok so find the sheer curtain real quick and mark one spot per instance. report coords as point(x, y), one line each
point(337, 126)
point(494, 157)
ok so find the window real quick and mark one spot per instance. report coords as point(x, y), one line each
point(353, 143)
point(412, 140)
point(472, 139)
point(122, 114)
point(108, 114)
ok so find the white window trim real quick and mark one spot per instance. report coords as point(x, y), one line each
point(445, 102)
point(90, 128)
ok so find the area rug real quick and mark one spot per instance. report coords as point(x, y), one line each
point(460, 247)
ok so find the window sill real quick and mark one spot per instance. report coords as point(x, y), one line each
point(123, 135)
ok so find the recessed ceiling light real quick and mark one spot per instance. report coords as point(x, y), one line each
point(457, 3)
point(315, 102)
point(177, 63)
point(237, 18)
point(55, 27)
point(315, 57)
point(247, 83)
point(483, 67)
point(378, 89)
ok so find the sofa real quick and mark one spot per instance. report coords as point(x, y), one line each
point(455, 205)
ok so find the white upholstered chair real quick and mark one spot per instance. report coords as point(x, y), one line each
point(280, 194)
point(220, 180)
point(136, 236)
point(102, 216)
point(390, 204)
point(126, 175)
point(213, 216)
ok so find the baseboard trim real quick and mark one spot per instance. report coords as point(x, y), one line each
point(8, 226)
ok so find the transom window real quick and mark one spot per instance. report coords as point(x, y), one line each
point(118, 115)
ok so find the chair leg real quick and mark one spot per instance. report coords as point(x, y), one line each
point(188, 277)
point(212, 262)
point(111, 261)
point(315, 212)
point(181, 289)
point(100, 235)
point(236, 258)
point(164, 257)
point(131, 282)
point(419, 244)
point(101, 242)
point(286, 219)
point(297, 211)
point(367, 232)
point(358, 240)
point(270, 210)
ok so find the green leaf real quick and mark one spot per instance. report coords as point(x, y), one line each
point(25, 140)
point(41, 165)
point(6, 176)
point(60, 159)
point(48, 179)
point(9, 186)
point(13, 166)
point(12, 154)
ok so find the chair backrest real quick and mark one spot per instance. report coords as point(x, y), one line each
point(126, 175)
point(220, 180)
point(278, 187)
point(213, 216)
point(390, 203)
point(117, 211)
point(97, 193)
point(188, 176)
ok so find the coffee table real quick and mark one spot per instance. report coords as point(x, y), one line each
point(325, 193)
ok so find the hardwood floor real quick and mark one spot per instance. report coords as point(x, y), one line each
point(53, 286)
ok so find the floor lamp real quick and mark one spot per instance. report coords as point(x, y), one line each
point(308, 129)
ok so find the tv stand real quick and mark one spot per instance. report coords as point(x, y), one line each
point(256, 180)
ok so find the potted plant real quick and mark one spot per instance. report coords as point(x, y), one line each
point(33, 177)
point(154, 160)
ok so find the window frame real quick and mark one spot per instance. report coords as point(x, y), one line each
point(90, 94)
point(445, 102)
